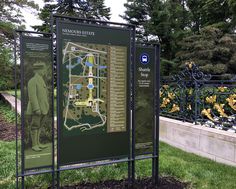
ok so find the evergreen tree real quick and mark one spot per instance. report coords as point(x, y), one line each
point(11, 17)
point(172, 20)
point(168, 21)
point(232, 7)
point(219, 14)
point(137, 13)
point(163, 21)
point(212, 50)
point(91, 9)
point(6, 67)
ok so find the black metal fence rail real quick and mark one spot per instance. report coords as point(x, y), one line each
point(195, 97)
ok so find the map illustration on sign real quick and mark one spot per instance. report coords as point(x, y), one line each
point(94, 88)
point(86, 88)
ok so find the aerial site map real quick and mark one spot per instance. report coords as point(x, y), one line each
point(94, 89)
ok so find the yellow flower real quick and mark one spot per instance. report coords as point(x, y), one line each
point(211, 99)
point(160, 92)
point(189, 107)
point(190, 92)
point(165, 102)
point(220, 109)
point(165, 86)
point(175, 108)
point(171, 95)
point(222, 89)
point(232, 101)
point(207, 113)
point(189, 64)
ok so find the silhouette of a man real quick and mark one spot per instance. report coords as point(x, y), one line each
point(38, 105)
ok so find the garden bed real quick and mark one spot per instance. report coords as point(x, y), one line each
point(7, 122)
point(7, 130)
point(164, 183)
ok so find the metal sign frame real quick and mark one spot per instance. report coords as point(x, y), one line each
point(130, 159)
point(20, 34)
point(156, 104)
point(56, 168)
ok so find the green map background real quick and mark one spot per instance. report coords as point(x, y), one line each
point(65, 80)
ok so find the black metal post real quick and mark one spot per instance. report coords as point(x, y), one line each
point(130, 126)
point(195, 101)
point(22, 114)
point(53, 130)
point(133, 106)
point(15, 78)
point(155, 162)
point(131, 162)
point(58, 106)
point(129, 156)
point(154, 153)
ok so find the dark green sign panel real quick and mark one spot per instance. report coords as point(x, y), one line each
point(93, 89)
point(144, 99)
point(36, 99)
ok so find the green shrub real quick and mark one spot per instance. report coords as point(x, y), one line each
point(7, 113)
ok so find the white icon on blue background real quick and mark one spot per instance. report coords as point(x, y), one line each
point(144, 58)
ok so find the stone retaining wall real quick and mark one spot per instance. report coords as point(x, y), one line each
point(214, 144)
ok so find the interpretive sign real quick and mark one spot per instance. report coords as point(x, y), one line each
point(107, 102)
point(144, 99)
point(36, 91)
point(93, 63)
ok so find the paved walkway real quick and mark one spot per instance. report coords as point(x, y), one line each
point(11, 101)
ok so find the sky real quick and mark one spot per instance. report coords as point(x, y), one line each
point(117, 8)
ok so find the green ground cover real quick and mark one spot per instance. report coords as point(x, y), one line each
point(7, 113)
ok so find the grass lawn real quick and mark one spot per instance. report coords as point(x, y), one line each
point(199, 172)
point(7, 113)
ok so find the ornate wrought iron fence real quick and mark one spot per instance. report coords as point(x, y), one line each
point(194, 96)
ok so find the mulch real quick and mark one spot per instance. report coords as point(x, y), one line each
point(164, 183)
point(7, 130)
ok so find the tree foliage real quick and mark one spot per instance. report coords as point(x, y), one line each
point(187, 30)
point(211, 49)
point(6, 68)
point(91, 9)
point(167, 21)
point(137, 13)
point(219, 14)
point(164, 19)
point(11, 17)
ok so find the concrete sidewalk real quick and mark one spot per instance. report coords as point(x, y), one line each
point(11, 100)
